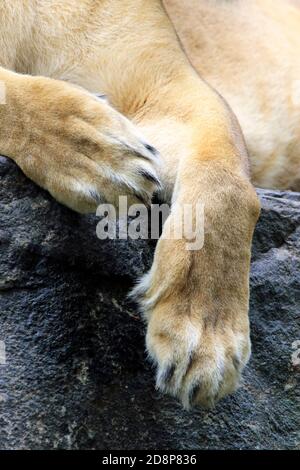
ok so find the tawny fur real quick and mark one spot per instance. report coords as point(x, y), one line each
point(83, 149)
point(249, 51)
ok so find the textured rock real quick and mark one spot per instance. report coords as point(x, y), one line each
point(76, 375)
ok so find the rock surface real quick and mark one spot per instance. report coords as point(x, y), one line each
point(74, 375)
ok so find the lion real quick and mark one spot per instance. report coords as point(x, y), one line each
point(102, 98)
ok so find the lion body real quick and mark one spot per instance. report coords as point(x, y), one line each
point(249, 52)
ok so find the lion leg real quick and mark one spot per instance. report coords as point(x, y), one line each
point(195, 298)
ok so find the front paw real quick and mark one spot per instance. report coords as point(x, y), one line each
point(82, 150)
point(197, 362)
point(198, 331)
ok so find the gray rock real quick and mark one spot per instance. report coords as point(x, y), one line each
point(74, 373)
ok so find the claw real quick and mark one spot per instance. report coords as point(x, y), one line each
point(150, 177)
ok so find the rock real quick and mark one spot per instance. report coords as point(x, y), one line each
point(73, 372)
